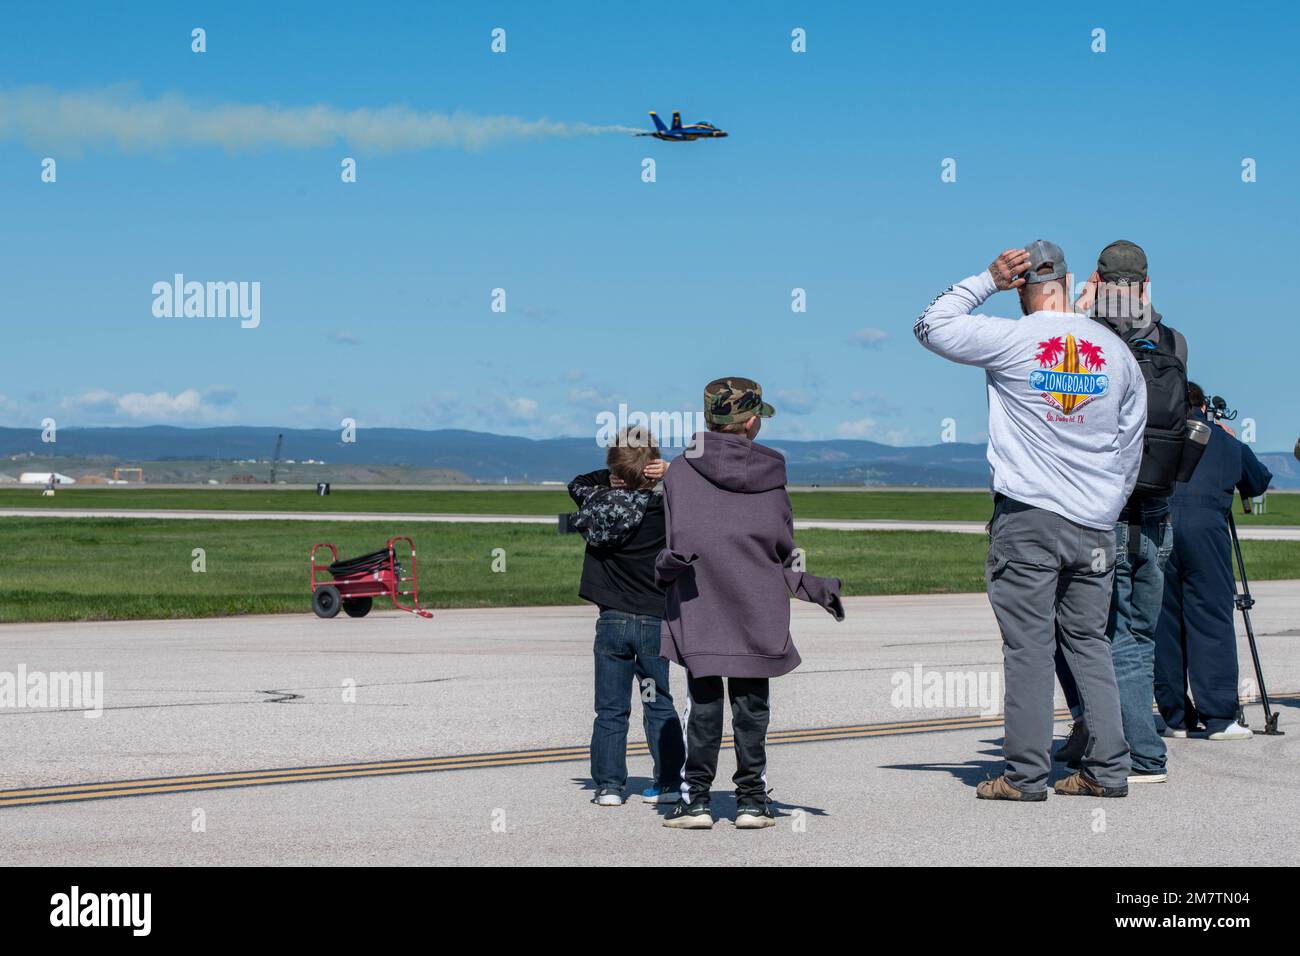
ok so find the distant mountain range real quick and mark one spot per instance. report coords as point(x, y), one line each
point(485, 457)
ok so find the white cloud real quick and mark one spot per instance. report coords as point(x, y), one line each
point(523, 409)
point(859, 428)
point(100, 406)
point(870, 338)
point(587, 396)
point(44, 117)
point(868, 429)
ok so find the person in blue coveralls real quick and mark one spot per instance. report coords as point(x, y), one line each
point(1196, 643)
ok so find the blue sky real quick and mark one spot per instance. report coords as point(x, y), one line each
point(375, 296)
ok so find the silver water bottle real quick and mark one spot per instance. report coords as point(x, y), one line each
point(1197, 437)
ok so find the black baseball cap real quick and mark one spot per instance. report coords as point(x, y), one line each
point(1122, 262)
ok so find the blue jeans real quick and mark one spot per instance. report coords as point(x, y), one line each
point(1134, 612)
point(627, 651)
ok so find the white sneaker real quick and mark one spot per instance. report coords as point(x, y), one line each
point(1176, 734)
point(1234, 731)
point(1138, 776)
point(608, 798)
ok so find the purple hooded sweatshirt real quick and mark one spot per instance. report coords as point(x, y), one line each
point(726, 566)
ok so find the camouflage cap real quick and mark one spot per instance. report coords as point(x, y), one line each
point(731, 401)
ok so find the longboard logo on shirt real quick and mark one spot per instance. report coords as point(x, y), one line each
point(1070, 376)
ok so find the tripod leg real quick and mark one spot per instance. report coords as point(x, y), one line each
point(1244, 603)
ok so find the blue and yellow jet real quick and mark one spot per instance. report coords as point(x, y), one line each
point(678, 133)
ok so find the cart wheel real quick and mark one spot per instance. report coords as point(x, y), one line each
point(325, 601)
point(357, 607)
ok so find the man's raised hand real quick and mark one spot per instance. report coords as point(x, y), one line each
point(1088, 297)
point(1006, 269)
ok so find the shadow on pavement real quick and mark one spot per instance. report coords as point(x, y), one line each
point(722, 802)
point(970, 773)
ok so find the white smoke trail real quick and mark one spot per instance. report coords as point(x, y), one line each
point(42, 117)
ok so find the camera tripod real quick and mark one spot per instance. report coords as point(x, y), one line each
point(1244, 603)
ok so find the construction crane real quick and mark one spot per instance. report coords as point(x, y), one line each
point(279, 442)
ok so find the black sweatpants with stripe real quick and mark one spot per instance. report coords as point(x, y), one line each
point(750, 710)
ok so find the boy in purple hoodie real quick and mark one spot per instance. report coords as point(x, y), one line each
point(727, 566)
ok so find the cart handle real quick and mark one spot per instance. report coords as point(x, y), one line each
point(314, 567)
point(414, 593)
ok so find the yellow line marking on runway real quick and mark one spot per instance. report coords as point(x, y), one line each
point(150, 786)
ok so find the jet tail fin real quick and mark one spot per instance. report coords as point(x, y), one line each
point(677, 120)
point(659, 124)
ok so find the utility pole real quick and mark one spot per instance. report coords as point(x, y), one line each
point(279, 441)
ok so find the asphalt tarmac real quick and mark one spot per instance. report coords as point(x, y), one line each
point(462, 740)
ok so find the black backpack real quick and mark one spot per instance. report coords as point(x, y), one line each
point(1164, 368)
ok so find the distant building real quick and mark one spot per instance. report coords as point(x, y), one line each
point(43, 478)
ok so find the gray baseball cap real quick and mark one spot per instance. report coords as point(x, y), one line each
point(1044, 253)
point(1122, 262)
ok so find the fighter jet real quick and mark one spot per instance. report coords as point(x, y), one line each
point(682, 134)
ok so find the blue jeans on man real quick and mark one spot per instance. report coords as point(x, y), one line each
point(1134, 613)
point(627, 653)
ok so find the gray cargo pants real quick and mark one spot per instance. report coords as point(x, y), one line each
point(1047, 578)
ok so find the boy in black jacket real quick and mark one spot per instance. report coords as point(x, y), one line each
point(622, 519)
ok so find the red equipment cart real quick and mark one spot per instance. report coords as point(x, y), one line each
point(353, 584)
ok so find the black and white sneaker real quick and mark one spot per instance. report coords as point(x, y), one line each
point(690, 816)
point(754, 815)
point(1147, 776)
point(608, 797)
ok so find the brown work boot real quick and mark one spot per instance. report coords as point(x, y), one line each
point(999, 789)
point(1081, 785)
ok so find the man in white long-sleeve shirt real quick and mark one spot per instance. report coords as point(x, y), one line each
point(1067, 409)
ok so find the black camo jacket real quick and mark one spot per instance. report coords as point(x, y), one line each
point(624, 531)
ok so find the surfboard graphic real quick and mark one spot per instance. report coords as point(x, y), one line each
point(1070, 375)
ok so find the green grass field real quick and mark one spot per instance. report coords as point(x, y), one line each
point(1283, 509)
point(119, 568)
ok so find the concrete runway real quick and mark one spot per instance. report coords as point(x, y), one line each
point(478, 720)
point(1245, 530)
